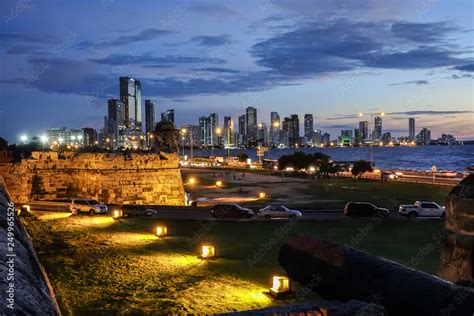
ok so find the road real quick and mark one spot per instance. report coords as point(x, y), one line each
point(202, 214)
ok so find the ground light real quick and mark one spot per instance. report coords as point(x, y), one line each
point(262, 195)
point(192, 180)
point(117, 214)
point(161, 231)
point(218, 183)
point(26, 208)
point(208, 251)
point(281, 285)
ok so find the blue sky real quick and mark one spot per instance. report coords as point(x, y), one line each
point(60, 61)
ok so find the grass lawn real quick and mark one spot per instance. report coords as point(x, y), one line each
point(99, 266)
point(336, 192)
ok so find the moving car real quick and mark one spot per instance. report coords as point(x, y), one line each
point(130, 210)
point(388, 176)
point(364, 209)
point(225, 210)
point(278, 211)
point(87, 206)
point(429, 209)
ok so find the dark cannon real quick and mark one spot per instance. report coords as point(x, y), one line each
point(344, 273)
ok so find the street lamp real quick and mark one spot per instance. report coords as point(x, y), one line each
point(370, 134)
point(23, 139)
point(183, 135)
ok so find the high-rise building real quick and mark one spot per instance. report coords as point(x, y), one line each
point(286, 130)
point(228, 132)
point(275, 126)
point(66, 136)
point(251, 125)
point(262, 134)
point(131, 96)
point(411, 129)
point(357, 137)
point(205, 131)
point(326, 139)
point(308, 129)
point(317, 137)
point(168, 115)
point(215, 134)
point(89, 137)
point(116, 111)
point(377, 128)
point(346, 137)
point(242, 131)
point(149, 121)
point(364, 131)
point(295, 130)
point(424, 137)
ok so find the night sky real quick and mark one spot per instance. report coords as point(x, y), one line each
point(60, 61)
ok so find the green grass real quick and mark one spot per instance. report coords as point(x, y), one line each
point(98, 266)
point(334, 193)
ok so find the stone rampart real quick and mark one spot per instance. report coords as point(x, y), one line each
point(152, 178)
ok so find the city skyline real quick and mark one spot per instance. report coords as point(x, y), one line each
point(409, 61)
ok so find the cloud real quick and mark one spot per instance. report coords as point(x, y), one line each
point(218, 40)
point(466, 67)
point(148, 60)
point(15, 37)
point(319, 49)
point(422, 32)
point(214, 10)
point(430, 112)
point(145, 35)
point(218, 70)
point(417, 82)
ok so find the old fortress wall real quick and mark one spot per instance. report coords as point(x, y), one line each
point(151, 178)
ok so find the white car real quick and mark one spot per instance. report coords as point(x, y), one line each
point(278, 211)
point(424, 209)
point(87, 206)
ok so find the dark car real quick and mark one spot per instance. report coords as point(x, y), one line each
point(130, 210)
point(230, 211)
point(387, 176)
point(363, 209)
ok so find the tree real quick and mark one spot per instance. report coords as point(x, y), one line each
point(242, 157)
point(360, 167)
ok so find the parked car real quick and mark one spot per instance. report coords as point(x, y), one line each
point(278, 211)
point(130, 210)
point(225, 210)
point(430, 209)
point(364, 209)
point(388, 176)
point(87, 206)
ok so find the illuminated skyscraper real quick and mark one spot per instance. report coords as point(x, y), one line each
point(411, 129)
point(378, 128)
point(251, 125)
point(308, 129)
point(131, 96)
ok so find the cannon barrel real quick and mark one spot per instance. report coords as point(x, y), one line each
point(340, 272)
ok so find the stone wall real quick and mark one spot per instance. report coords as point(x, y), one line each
point(153, 178)
point(31, 293)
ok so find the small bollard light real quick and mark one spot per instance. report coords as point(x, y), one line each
point(117, 214)
point(26, 208)
point(208, 251)
point(192, 181)
point(161, 231)
point(281, 285)
point(218, 183)
point(262, 195)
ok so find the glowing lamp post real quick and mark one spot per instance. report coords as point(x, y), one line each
point(281, 285)
point(117, 214)
point(208, 251)
point(161, 231)
point(192, 180)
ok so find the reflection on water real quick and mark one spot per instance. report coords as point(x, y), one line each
point(418, 158)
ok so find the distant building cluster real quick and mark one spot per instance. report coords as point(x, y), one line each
point(123, 129)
